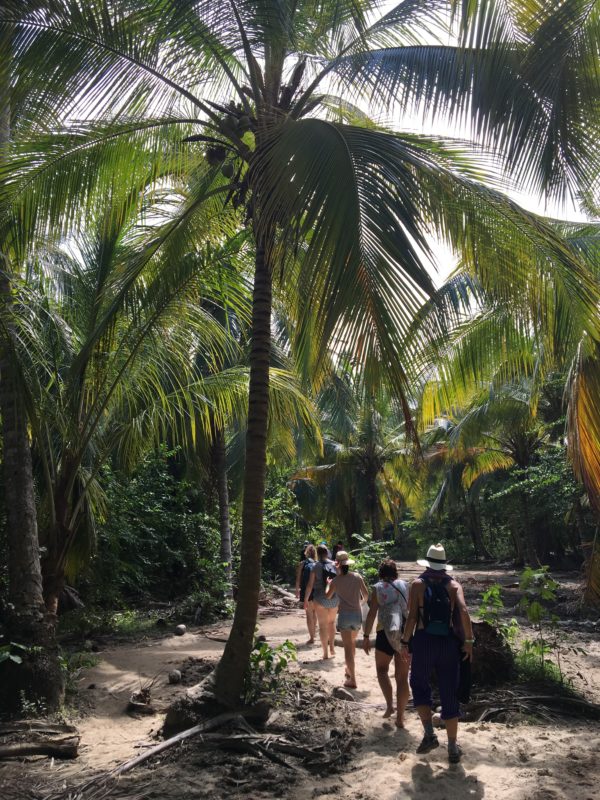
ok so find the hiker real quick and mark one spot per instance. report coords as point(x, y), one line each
point(389, 602)
point(326, 608)
point(299, 568)
point(336, 548)
point(443, 634)
point(323, 543)
point(303, 574)
point(351, 590)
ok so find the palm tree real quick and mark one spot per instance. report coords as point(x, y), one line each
point(113, 397)
point(277, 97)
point(484, 352)
point(361, 476)
point(40, 675)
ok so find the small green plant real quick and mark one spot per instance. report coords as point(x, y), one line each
point(31, 707)
point(7, 654)
point(539, 589)
point(266, 666)
point(490, 610)
point(72, 665)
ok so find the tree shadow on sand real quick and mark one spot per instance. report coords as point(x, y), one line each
point(450, 781)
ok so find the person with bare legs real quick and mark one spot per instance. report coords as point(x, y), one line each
point(389, 603)
point(443, 634)
point(325, 608)
point(351, 590)
point(303, 576)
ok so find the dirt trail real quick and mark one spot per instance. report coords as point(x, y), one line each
point(520, 762)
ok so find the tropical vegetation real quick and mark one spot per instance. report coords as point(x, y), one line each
point(217, 233)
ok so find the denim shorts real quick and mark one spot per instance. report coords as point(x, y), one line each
point(349, 621)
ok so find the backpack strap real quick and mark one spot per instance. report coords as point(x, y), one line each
point(400, 592)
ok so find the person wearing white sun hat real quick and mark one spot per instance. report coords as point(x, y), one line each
point(440, 627)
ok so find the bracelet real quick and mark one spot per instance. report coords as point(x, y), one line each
point(469, 641)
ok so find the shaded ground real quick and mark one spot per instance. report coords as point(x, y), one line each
point(516, 760)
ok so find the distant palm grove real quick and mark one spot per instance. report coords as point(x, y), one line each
point(225, 327)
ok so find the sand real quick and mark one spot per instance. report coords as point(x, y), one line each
point(501, 761)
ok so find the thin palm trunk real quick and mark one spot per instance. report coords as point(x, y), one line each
point(474, 519)
point(219, 459)
point(231, 670)
point(373, 504)
point(529, 548)
point(39, 677)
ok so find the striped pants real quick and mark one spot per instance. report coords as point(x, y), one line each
point(442, 654)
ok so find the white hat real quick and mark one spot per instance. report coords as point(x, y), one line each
point(436, 558)
point(343, 558)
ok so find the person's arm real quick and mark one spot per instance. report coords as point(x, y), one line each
point(309, 587)
point(299, 577)
point(330, 590)
point(364, 592)
point(467, 646)
point(373, 605)
point(413, 611)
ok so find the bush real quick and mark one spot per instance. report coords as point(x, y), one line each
point(284, 533)
point(153, 543)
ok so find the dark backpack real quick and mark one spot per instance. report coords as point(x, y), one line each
point(304, 578)
point(329, 571)
point(437, 608)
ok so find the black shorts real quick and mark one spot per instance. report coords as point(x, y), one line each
point(382, 644)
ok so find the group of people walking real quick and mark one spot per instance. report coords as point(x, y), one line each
point(424, 629)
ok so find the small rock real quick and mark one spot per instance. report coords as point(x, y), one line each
point(342, 694)
point(180, 630)
point(175, 676)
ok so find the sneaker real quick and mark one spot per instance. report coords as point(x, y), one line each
point(455, 754)
point(428, 743)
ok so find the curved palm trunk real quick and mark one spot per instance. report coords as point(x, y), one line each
point(39, 676)
point(231, 670)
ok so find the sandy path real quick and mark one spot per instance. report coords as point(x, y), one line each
point(521, 762)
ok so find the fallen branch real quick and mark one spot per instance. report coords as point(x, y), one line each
point(209, 725)
point(97, 786)
point(67, 748)
point(35, 737)
point(284, 593)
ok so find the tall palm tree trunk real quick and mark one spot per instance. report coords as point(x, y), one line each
point(373, 504)
point(230, 673)
point(39, 676)
point(219, 459)
point(474, 518)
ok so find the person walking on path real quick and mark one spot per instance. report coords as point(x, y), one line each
point(303, 575)
point(389, 602)
point(339, 545)
point(351, 590)
point(441, 631)
point(325, 608)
